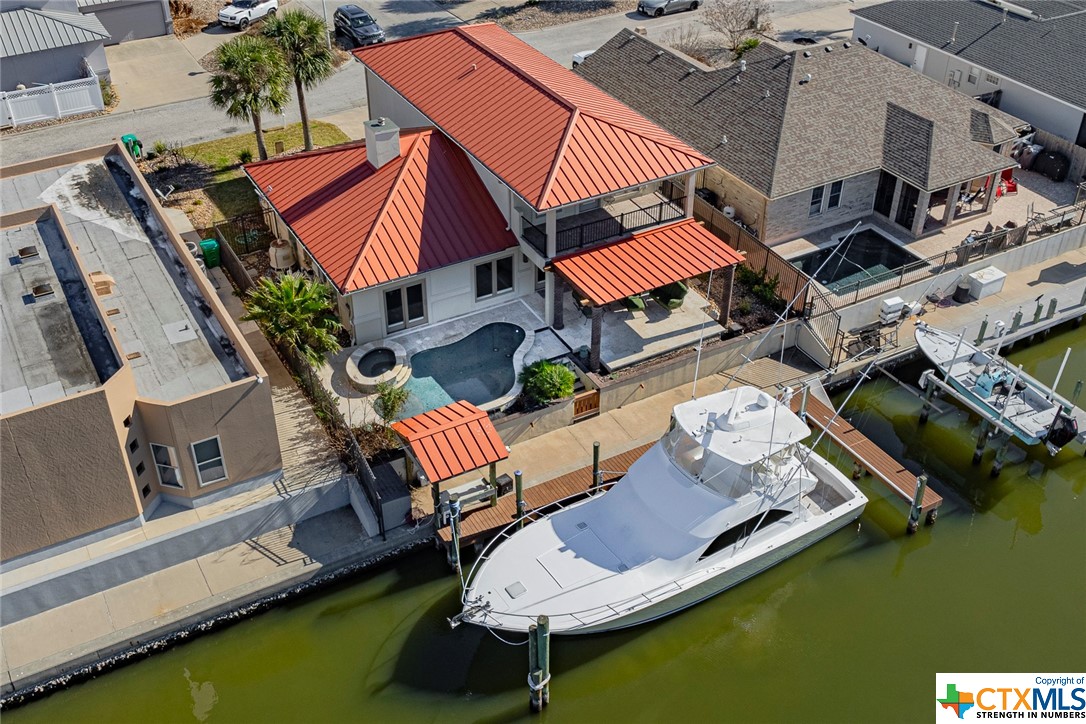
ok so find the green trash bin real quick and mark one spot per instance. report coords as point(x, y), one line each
point(210, 249)
point(133, 144)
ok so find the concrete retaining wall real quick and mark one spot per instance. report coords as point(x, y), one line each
point(526, 425)
point(29, 599)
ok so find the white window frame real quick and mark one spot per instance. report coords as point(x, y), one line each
point(407, 322)
point(174, 464)
point(493, 264)
point(811, 210)
point(197, 463)
point(974, 75)
point(991, 78)
point(830, 203)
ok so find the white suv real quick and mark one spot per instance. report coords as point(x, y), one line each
point(240, 13)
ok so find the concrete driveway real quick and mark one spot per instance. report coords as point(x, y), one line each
point(154, 72)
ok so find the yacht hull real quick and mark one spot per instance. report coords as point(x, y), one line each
point(721, 582)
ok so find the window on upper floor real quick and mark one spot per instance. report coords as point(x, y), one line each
point(835, 195)
point(209, 463)
point(993, 79)
point(816, 200)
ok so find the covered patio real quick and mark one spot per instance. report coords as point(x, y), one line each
point(609, 281)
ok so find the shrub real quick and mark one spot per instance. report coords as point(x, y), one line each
point(546, 381)
point(245, 155)
point(160, 148)
point(107, 92)
point(748, 44)
point(744, 307)
point(761, 285)
point(390, 401)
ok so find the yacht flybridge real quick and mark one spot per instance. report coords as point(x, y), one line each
point(728, 492)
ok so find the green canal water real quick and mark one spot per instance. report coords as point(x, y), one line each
point(852, 630)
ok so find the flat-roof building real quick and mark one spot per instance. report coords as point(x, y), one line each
point(124, 380)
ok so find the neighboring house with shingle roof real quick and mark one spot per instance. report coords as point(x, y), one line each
point(810, 139)
point(1027, 58)
point(49, 46)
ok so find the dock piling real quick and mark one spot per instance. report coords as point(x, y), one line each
point(803, 403)
point(929, 390)
point(1016, 321)
point(983, 330)
point(519, 479)
point(1038, 311)
point(539, 664)
point(597, 476)
point(918, 504)
point(1001, 454)
point(1052, 308)
point(982, 441)
point(454, 525)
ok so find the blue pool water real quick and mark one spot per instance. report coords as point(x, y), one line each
point(478, 368)
point(868, 258)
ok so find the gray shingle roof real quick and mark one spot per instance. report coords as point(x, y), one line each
point(27, 30)
point(856, 114)
point(1046, 53)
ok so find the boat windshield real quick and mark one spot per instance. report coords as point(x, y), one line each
point(712, 471)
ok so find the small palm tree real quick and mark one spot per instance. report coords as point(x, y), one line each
point(296, 311)
point(250, 77)
point(303, 40)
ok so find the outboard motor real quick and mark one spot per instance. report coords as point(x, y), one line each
point(1064, 429)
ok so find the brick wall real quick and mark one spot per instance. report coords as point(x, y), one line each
point(749, 205)
point(789, 217)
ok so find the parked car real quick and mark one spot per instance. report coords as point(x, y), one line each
point(358, 26)
point(241, 13)
point(581, 57)
point(656, 8)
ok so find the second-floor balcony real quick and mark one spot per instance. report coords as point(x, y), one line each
point(608, 221)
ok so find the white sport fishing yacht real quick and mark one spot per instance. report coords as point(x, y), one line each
point(728, 492)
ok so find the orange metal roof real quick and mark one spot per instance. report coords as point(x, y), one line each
point(549, 134)
point(452, 440)
point(364, 226)
point(644, 261)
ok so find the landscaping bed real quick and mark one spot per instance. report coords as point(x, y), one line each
point(209, 184)
point(754, 301)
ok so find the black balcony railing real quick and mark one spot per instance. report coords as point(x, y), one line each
point(578, 236)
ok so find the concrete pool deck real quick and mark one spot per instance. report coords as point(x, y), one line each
point(357, 407)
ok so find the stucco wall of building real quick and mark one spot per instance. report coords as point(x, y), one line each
point(62, 473)
point(790, 216)
point(384, 102)
point(239, 414)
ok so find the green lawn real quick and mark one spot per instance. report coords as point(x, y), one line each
point(230, 190)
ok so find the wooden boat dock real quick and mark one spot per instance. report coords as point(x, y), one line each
point(480, 524)
point(867, 454)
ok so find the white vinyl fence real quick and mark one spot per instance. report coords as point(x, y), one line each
point(46, 102)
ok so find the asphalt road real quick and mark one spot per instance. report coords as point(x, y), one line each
point(195, 120)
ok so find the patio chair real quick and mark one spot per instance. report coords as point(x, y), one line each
point(670, 296)
point(635, 303)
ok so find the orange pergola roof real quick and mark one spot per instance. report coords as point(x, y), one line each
point(452, 440)
point(644, 261)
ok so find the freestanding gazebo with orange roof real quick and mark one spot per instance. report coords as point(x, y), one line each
point(450, 441)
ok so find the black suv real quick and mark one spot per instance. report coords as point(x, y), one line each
point(357, 25)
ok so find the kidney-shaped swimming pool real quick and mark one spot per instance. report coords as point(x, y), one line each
point(478, 368)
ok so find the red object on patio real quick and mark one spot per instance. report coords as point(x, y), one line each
point(1010, 183)
point(452, 440)
point(645, 261)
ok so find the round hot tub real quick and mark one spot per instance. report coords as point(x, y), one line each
point(377, 363)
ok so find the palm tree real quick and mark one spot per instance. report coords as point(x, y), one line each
point(296, 311)
point(303, 38)
point(250, 77)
